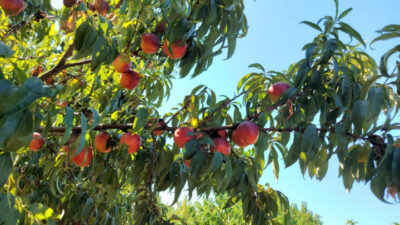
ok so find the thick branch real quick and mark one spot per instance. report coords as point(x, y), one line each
point(62, 64)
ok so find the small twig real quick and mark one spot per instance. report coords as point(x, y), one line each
point(179, 111)
point(220, 107)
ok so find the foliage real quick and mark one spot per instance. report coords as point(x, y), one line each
point(341, 104)
point(212, 211)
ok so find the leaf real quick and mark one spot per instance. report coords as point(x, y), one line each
point(87, 208)
point(82, 138)
point(313, 25)
point(191, 148)
point(96, 118)
point(5, 168)
point(141, 119)
point(5, 51)
point(216, 161)
point(258, 66)
point(375, 102)
point(359, 114)
point(69, 123)
point(386, 36)
point(352, 32)
point(344, 13)
point(40, 211)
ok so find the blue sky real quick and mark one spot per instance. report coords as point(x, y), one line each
point(275, 40)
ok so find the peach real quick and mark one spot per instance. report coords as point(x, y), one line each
point(277, 89)
point(245, 134)
point(79, 159)
point(122, 63)
point(12, 7)
point(129, 79)
point(178, 49)
point(221, 145)
point(37, 142)
point(100, 142)
point(133, 141)
point(150, 43)
point(180, 136)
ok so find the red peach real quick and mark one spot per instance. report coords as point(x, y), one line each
point(245, 134)
point(100, 142)
point(221, 145)
point(277, 89)
point(122, 63)
point(129, 79)
point(36, 142)
point(150, 43)
point(133, 141)
point(180, 136)
point(178, 49)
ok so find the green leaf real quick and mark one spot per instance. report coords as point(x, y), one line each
point(352, 32)
point(40, 211)
point(85, 38)
point(205, 140)
point(82, 138)
point(191, 148)
point(141, 119)
point(359, 114)
point(216, 161)
point(96, 118)
point(344, 13)
point(87, 208)
point(69, 123)
point(375, 102)
point(5, 51)
point(7, 207)
point(310, 139)
point(258, 66)
point(5, 168)
point(386, 36)
point(313, 25)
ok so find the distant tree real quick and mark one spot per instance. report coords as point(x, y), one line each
point(212, 211)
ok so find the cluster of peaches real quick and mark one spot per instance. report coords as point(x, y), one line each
point(149, 45)
point(245, 134)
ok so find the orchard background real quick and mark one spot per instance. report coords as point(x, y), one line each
point(69, 188)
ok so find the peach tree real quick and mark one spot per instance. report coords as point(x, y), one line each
point(82, 140)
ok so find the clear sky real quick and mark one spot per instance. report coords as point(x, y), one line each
point(275, 40)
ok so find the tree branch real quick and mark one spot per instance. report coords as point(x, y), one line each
point(62, 64)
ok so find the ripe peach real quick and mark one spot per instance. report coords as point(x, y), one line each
point(129, 79)
point(180, 136)
point(36, 142)
point(150, 43)
point(49, 81)
point(223, 134)
point(277, 89)
point(100, 142)
point(133, 141)
point(79, 159)
point(36, 71)
point(178, 49)
point(245, 134)
point(122, 63)
point(160, 27)
point(221, 145)
point(103, 10)
point(69, 3)
point(160, 124)
point(12, 7)
point(187, 162)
